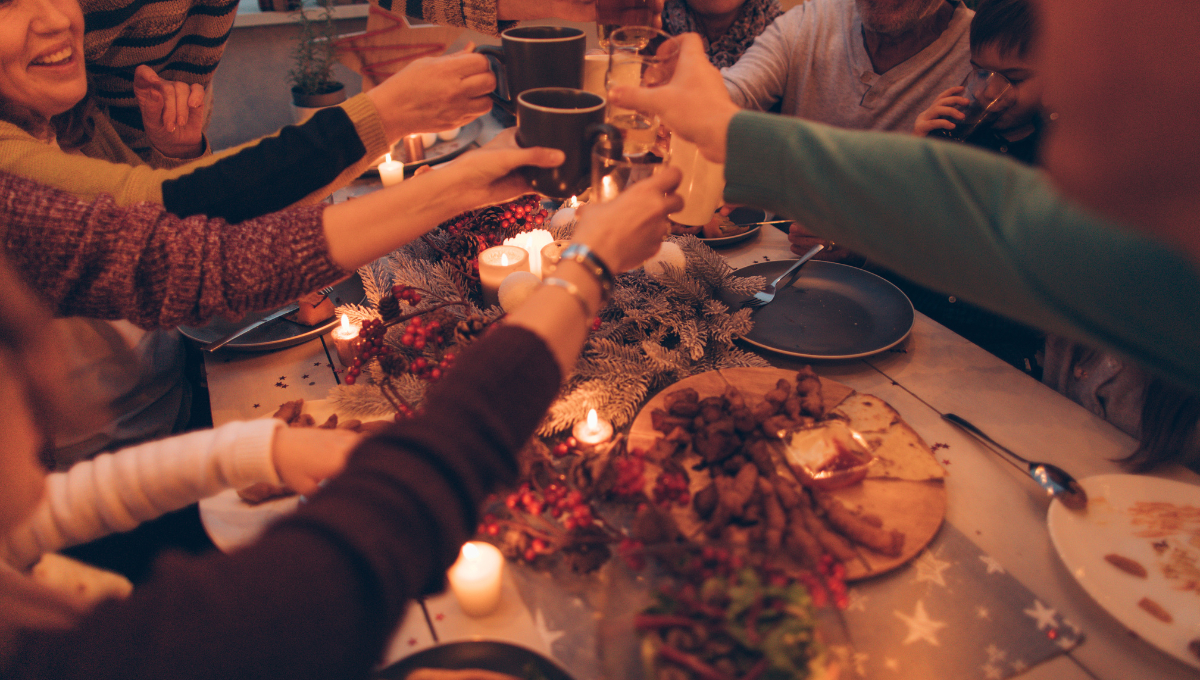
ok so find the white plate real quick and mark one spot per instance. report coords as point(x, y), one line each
point(1084, 538)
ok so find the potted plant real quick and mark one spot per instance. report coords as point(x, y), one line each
point(313, 86)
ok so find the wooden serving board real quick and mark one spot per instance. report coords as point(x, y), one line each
point(916, 508)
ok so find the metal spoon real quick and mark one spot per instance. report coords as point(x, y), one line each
point(1056, 481)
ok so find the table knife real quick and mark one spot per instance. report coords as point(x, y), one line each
point(273, 316)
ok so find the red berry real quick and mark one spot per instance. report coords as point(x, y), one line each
point(349, 380)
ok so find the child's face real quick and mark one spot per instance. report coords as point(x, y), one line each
point(1022, 73)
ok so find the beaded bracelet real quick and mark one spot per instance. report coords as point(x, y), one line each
point(574, 291)
point(583, 255)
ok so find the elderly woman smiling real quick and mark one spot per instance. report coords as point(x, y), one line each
point(51, 132)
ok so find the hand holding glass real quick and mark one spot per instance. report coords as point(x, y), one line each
point(988, 95)
point(638, 56)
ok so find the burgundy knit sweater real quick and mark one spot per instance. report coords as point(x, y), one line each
point(317, 597)
point(96, 259)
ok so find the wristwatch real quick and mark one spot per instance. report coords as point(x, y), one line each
point(580, 253)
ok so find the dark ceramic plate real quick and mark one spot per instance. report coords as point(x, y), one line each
point(440, 151)
point(833, 311)
point(501, 657)
point(277, 334)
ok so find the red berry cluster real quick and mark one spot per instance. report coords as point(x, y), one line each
point(672, 488)
point(629, 473)
point(407, 293)
point(829, 581)
point(567, 506)
point(596, 323)
point(370, 338)
point(565, 447)
point(633, 553)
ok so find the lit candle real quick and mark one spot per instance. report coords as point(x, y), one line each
point(476, 578)
point(608, 189)
point(390, 171)
point(551, 254)
point(346, 342)
point(414, 148)
point(532, 242)
point(595, 430)
point(495, 264)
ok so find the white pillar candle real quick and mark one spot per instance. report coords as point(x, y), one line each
point(593, 431)
point(476, 578)
point(391, 172)
point(495, 264)
point(346, 342)
point(551, 254)
point(532, 241)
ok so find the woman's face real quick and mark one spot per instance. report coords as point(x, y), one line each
point(41, 55)
point(715, 7)
point(21, 479)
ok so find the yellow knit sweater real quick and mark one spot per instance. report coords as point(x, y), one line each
point(107, 166)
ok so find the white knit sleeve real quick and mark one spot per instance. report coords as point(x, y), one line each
point(117, 491)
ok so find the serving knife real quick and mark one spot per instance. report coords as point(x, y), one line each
point(273, 316)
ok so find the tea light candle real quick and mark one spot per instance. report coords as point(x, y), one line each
point(595, 430)
point(346, 342)
point(476, 578)
point(428, 139)
point(391, 172)
point(414, 148)
point(551, 254)
point(532, 241)
point(447, 135)
point(495, 264)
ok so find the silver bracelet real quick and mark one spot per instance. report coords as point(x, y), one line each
point(574, 291)
point(582, 254)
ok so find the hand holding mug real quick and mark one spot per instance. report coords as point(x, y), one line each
point(434, 94)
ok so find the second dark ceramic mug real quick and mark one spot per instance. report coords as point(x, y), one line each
point(536, 56)
point(571, 121)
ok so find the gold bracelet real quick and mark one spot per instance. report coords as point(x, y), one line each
point(574, 291)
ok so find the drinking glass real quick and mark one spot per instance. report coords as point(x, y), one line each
point(988, 95)
point(613, 171)
point(638, 55)
point(613, 14)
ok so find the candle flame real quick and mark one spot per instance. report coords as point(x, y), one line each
point(345, 324)
point(470, 552)
point(503, 259)
point(593, 421)
point(574, 202)
point(387, 158)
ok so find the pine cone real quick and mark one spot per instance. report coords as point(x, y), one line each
point(389, 308)
point(469, 328)
point(393, 364)
point(446, 320)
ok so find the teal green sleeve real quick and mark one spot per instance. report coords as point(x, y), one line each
point(977, 226)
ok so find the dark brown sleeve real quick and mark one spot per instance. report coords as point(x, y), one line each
point(321, 592)
point(94, 258)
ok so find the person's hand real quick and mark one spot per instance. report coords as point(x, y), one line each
point(694, 104)
point(434, 94)
point(172, 113)
point(490, 174)
point(570, 10)
point(627, 230)
point(304, 456)
point(802, 240)
point(934, 117)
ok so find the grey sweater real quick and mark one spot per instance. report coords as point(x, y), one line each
point(813, 59)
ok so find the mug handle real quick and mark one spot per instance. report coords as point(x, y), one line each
point(495, 57)
point(605, 140)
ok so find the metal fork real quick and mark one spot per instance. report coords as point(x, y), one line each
point(266, 320)
point(766, 295)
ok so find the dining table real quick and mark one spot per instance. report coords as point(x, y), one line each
point(996, 518)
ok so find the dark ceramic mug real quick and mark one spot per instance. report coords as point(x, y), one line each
point(571, 121)
point(530, 57)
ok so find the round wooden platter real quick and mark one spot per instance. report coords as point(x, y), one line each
point(916, 508)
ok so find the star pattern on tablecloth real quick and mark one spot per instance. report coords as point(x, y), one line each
point(1042, 614)
point(995, 653)
point(547, 635)
point(930, 568)
point(983, 612)
point(891, 664)
point(991, 672)
point(856, 601)
point(993, 565)
point(920, 626)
